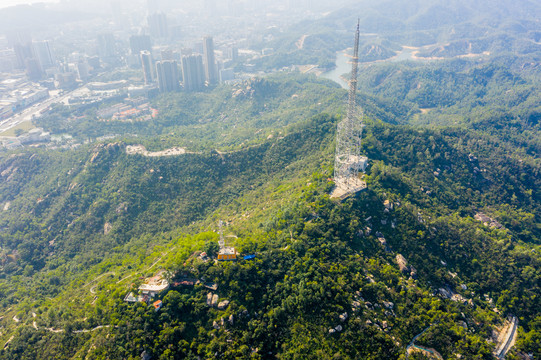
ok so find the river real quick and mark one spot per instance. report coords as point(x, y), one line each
point(343, 65)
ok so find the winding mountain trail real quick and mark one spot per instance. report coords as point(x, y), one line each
point(151, 266)
point(99, 277)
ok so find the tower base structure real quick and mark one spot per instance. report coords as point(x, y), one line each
point(344, 189)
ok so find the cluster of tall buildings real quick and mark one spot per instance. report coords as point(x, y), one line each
point(38, 61)
point(194, 71)
point(35, 57)
point(187, 69)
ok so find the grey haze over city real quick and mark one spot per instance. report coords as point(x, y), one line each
point(60, 52)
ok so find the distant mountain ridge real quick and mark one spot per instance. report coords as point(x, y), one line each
point(505, 27)
point(23, 17)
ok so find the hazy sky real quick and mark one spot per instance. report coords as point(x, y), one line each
point(6, 3)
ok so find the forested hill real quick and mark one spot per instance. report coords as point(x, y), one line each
point(430, 28)
point(353, 279)
point(226, 117)
point(84, 205)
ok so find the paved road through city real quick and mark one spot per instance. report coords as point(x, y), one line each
point(29, 112)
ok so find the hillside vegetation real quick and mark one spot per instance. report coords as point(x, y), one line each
point(434, 28)
point(83, 225)
point(442, 247)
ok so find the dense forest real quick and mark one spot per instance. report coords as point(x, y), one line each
point(87, 219)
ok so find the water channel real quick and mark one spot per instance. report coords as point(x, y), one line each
point(343, 64)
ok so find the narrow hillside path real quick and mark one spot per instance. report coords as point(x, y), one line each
point(99, 277)
point(151, 266)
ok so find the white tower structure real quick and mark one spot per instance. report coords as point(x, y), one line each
point(348, 160)
point(221, 242)
point(226, 253)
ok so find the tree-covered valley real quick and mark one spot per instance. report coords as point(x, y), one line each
point(430, 261)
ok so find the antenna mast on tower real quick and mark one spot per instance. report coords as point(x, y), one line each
point(348, 160)
point(221, 242)
point(225, 253)
point(353, 80)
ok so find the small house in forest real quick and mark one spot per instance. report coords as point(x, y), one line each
point(227, 254)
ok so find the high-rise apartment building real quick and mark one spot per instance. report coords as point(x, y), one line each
point(157, 24)
point(18, 37)
point(83, 70)
point(8, 60)
point(94, 63)
point(146, 61)
point(233, 53)
point(167, 54)
point(23, 52)
point(211, 71)
point(168, 76)
point(33, 69)
point(193, 74)
point(140, 43)
point(106, 47)
point(43, 52)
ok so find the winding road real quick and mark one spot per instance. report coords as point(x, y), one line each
point(34, 110)
point(412, 342)
point(506, 345)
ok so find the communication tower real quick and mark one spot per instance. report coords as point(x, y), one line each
point(226, 253)
point(221, 242)
point(348, 160)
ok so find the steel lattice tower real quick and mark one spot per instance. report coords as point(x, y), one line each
point(221, 242)
point(348, 134)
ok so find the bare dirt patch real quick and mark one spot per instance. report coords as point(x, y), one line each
point(141, 150)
